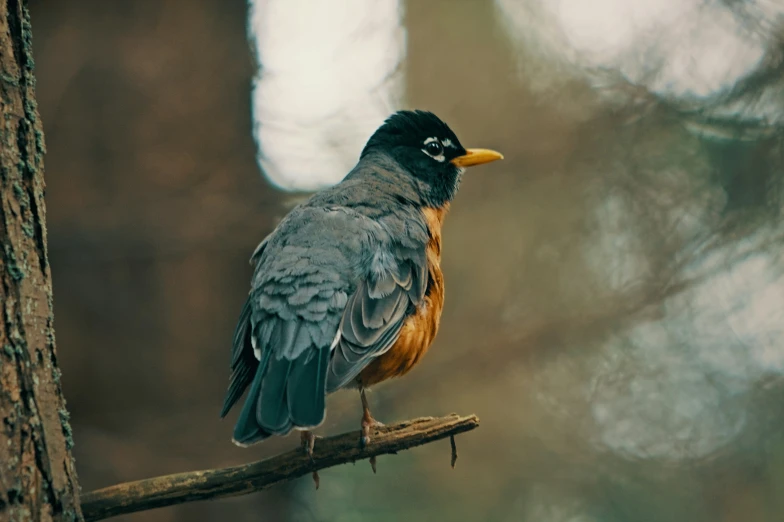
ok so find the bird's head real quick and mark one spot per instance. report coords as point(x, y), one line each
point(427, 150)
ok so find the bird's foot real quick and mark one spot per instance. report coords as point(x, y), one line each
point(369, 423)
point(308, 439)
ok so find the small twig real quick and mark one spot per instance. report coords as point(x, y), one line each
point(454, 450)
point(239, 480)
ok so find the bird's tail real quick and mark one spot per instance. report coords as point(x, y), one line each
point(285, 394)
point(248, 431)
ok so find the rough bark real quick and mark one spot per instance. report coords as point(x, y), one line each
point(37, 476)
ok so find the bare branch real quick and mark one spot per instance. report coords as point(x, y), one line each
point(239, 480)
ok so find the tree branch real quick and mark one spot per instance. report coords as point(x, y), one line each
point(239, 480)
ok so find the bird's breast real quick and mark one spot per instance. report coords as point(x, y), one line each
point(420, 328)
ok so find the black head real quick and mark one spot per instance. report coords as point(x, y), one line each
point(427, 149)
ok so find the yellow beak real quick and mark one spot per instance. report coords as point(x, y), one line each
point(476, 157)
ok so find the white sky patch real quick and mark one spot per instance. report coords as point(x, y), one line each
point(685, 51)
point(676, 48)
point(329, 75)
point(673, 387)
point(681, 379)
point(682, 393)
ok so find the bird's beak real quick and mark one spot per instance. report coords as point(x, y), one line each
point(476, 157)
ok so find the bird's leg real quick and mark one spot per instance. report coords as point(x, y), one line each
point(308, 439)
point(368, 422)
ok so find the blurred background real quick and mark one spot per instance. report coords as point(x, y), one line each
point(615, 301)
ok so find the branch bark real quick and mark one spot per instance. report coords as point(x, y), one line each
point(37, 476)
point(239, 480)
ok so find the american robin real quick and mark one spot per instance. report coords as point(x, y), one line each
point(347, 291)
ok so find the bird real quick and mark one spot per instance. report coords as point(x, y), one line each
point(347, 291)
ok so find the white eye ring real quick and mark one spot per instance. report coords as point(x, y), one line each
point(435, 149)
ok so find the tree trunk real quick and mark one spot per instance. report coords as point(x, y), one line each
point(37, 476)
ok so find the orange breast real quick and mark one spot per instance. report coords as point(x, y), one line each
point(419, 329)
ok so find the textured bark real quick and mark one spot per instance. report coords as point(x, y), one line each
point(37, 476)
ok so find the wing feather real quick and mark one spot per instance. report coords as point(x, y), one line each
point(375, 314)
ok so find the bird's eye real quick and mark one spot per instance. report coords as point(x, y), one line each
point(434, 148)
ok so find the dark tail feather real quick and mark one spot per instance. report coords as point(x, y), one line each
point(272, 411)
point(240, 378)
point(288, 389)
point(307, 389)
point(247, 430)
point(243, 360)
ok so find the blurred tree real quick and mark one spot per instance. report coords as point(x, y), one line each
point(37, 476)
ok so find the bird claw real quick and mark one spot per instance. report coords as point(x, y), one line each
point(368, 423)
point(308, 440)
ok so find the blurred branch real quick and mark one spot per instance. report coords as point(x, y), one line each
point(190, 486)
